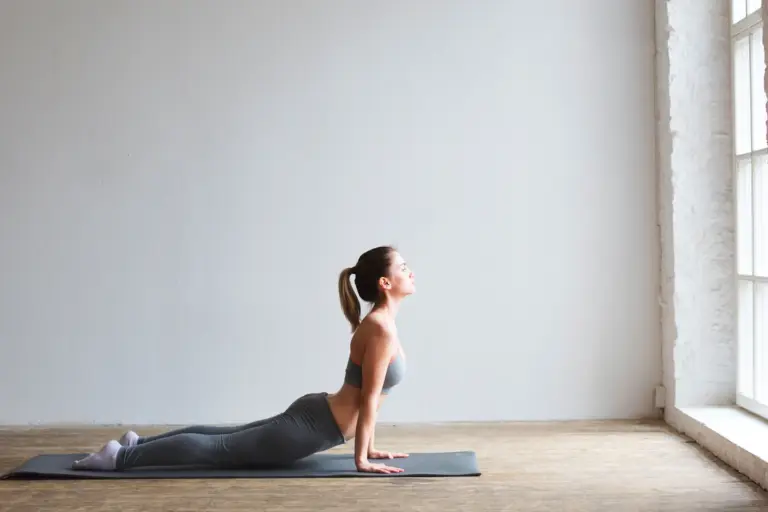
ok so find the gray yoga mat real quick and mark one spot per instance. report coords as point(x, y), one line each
point(324, 465)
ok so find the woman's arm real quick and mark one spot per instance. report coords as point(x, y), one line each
point(378, 353)
point(373, 453)
point(371, 449)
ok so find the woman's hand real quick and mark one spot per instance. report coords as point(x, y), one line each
point(368, 467)
point(377, 454)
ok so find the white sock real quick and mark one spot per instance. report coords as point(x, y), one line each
point(130, 438)
point(103, 460)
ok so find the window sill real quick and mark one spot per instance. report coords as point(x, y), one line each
point(736, 436)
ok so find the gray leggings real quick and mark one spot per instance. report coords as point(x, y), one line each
point(305, 427)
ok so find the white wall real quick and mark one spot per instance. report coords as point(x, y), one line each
point(181, 182)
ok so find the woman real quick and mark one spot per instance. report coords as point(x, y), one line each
point(314, 422)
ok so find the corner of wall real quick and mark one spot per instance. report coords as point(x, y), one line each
point(664, 201)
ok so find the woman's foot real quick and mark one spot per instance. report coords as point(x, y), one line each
point(103, 460)
point(130, 438)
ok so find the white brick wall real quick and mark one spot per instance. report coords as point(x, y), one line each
point(698, 293)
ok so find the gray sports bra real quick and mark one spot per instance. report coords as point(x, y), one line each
point(395, 373)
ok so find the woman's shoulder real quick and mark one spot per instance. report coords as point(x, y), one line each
point(378, 327)
point(374, 331)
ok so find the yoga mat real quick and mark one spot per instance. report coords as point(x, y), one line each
point(323, 465)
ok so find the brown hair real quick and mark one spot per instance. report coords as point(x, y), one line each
point(371, 265)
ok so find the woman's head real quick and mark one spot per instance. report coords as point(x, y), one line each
point(380, 274)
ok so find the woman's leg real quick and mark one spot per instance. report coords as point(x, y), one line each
point(130, 438)
point(306, 427)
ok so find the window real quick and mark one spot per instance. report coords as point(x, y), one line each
point(750, 168)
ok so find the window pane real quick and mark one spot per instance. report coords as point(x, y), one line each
point(752, 6)
point(745, 351)
point(761, 341)
point(741, 84)
point(738, 10)
point(744, 216)
point(758, 90)
point(760, 219)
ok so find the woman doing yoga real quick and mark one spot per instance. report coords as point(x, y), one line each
point(314, 422)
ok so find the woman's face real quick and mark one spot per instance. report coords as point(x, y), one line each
point(402, 280)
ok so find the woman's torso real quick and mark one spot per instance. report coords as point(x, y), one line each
point(345, 403)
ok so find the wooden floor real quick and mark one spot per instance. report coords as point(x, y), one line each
point(600, 466)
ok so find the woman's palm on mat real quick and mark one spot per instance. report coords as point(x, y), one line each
point(369, 467)
point(377, 454)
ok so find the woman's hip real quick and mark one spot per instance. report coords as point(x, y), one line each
point(313, 411)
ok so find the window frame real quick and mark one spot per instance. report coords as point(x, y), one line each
point(744, 28)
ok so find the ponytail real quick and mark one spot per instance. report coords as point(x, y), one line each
point(350, 305)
